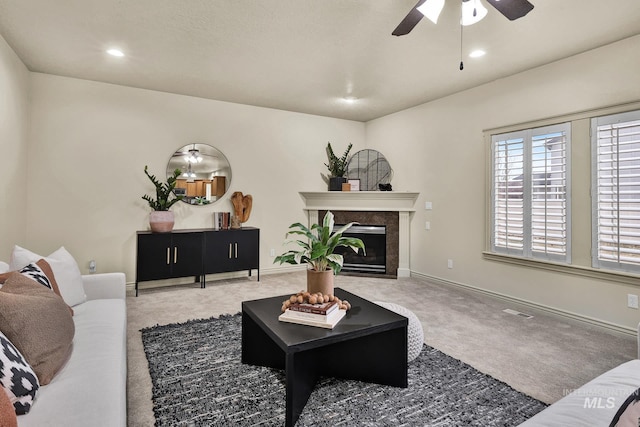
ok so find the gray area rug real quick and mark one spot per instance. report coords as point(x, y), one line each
point(198, 380)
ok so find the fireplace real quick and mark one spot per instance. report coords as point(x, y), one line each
point(393, 209)
point(387, 256)
point(374, 259)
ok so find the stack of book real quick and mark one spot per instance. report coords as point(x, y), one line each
point(221, 220)
point(325, 315)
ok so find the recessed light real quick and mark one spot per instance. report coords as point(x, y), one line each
point(477, 53)
point(350, 99)
point(115, 52)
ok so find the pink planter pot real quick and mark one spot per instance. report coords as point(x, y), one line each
point(161, 221)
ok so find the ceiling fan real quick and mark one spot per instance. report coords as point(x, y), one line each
point(512, 9)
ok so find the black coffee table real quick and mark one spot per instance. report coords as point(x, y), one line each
point(369, 344)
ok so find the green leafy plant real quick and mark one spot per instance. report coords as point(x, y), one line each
point(337, 165)
point(163, 191)
point(317, 249)
point(201, 201)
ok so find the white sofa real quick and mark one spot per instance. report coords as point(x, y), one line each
point(595, 403)
point(90, 389)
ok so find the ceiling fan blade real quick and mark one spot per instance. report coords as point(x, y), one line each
point(512, 9)
point(411, 20)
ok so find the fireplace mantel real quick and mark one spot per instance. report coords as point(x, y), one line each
point(368, 201)
point(393, 201)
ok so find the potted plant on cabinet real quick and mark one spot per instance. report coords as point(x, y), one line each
point(317, 250)
point(161, 219)
point(337, 168)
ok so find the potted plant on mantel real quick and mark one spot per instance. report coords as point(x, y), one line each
point(161, 220)
point(317, 251)
point(337, 168)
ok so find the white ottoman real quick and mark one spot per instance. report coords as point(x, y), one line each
point(415, 333)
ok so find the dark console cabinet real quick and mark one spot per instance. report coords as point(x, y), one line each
point(232, 250)
point(165, 256)
point(183, 253)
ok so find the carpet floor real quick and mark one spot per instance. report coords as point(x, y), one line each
point(198, 380)
point(543, 356)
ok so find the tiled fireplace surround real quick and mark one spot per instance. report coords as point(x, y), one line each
point(392, 209)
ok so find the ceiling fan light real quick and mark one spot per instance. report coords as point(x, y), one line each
point(472, 11)
point(431, 9)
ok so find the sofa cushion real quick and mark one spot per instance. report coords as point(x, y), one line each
point(65, 270)
point(7, 413)
point(90, 390)
point(4, 267)
point(38, 323)
point(19, 382)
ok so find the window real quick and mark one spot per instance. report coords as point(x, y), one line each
point(530, 203)
point(616, 191)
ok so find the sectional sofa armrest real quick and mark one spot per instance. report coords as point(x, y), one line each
point(105, 286)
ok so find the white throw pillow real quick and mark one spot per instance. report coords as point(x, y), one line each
point(65, 269)
point(4, 267)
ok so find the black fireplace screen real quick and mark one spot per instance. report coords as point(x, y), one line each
point(374, 260)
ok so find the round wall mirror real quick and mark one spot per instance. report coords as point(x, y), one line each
point(205, 173)
point(371, 168)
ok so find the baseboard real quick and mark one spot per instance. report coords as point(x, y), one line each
point(131, 286)
point(404, 272)
point(568, 314)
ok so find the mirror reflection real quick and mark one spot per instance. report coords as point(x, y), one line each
point(206, 173)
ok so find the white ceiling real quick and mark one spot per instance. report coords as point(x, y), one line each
point(301, 55)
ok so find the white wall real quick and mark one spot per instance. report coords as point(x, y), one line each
point(438, 149)
point(14, 97)
point(90, 141)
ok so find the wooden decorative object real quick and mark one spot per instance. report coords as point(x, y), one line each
point(242, 205)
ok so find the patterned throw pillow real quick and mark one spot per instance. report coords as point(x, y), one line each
point(34, 272)
point(629, 413)
point(17, 378)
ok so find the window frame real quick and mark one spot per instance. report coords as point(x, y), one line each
point(528, 170)
point(581, 264)
point(595, 122)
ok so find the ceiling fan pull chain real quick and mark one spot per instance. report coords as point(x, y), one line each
point(461, 63)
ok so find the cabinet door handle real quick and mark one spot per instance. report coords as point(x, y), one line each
point(236, 246)
point(175, 255)
point(168, 256)
point(229, 250)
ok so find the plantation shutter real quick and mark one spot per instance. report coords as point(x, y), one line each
point(508, 193)
point(616, 191)
point(530, 200)
point(549, 201)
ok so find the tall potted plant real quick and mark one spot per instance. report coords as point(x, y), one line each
point(337, 168)
point(316, 249)
point(161, 219)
